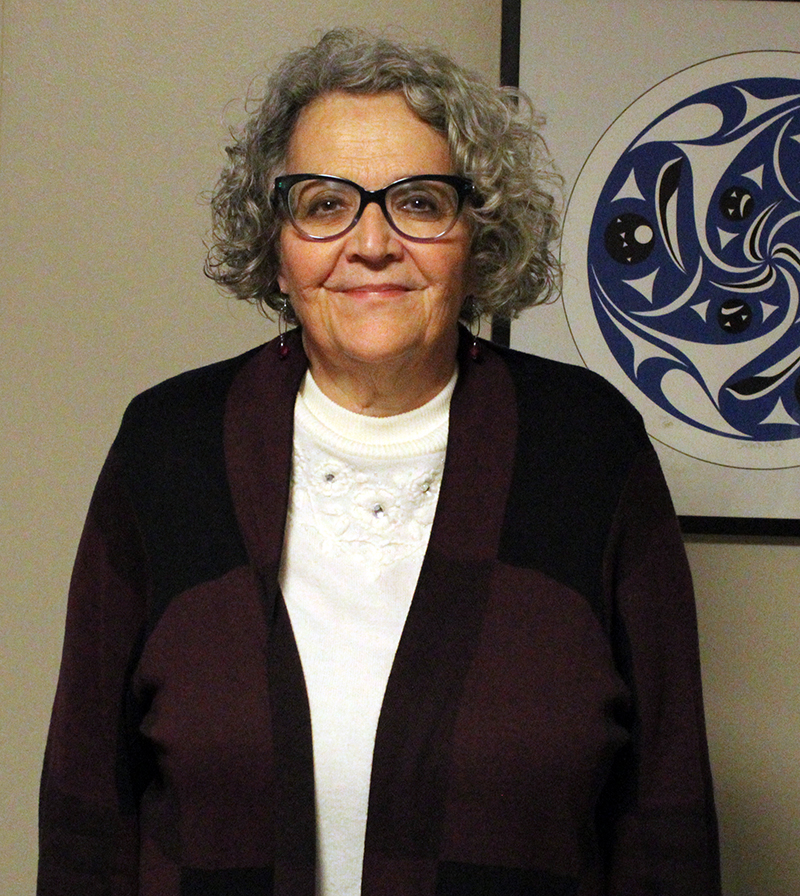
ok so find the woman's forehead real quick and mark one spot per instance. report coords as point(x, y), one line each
point(374, 136)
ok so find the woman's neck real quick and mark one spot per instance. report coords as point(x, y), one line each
point(382, 390)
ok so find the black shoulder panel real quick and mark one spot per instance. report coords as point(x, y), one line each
point(171, 446)
point(576, 441)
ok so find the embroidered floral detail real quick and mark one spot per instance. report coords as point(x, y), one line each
point(377, 508)
point(375, 511)
point(334, 478)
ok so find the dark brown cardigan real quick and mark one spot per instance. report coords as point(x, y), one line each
point(542, 730)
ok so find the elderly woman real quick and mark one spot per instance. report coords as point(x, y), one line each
point(378, 607)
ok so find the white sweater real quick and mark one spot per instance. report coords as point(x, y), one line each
point(364, 493)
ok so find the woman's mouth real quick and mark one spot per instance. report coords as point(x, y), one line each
point(378, 290)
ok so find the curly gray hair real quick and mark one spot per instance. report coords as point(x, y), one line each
point(493, 138)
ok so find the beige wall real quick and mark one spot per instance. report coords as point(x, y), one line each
point(748, 601)
point(111, 125)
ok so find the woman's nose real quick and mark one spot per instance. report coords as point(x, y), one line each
point(373, 238)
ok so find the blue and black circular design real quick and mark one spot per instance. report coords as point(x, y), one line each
point(694, 259)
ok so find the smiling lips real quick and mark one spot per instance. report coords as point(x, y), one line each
point(374, 289)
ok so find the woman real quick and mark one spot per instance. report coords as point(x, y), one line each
point(378, 607)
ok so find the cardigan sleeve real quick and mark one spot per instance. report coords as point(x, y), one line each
point(657, 815)
point(87, 811)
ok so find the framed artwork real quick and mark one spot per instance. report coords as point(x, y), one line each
point(680, 149)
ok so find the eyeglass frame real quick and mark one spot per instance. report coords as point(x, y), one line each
point(465, 189)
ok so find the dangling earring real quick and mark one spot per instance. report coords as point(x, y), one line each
point(283, 348)
point(475, 349)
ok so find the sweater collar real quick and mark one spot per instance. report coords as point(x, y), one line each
point(259, 426)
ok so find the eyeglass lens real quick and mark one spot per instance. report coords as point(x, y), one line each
point(421, 209)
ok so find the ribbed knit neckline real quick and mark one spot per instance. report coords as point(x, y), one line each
point(419, 431)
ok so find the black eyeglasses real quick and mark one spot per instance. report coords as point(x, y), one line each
point(422, 208)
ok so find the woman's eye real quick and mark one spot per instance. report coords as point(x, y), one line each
point(425, 202)
point(323, 205)
point(421, 203)
point(312, 200)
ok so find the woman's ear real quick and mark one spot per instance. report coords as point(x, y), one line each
point(281, 278)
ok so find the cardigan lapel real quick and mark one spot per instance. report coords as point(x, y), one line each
point(410, 762)
point(258, 446)
point(259, 423)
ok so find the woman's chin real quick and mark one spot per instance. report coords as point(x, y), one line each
point(374, 343)
point(378, 353)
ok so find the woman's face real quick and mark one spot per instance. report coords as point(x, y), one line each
point(372, 296)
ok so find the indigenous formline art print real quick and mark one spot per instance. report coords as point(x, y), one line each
point(684, 227)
